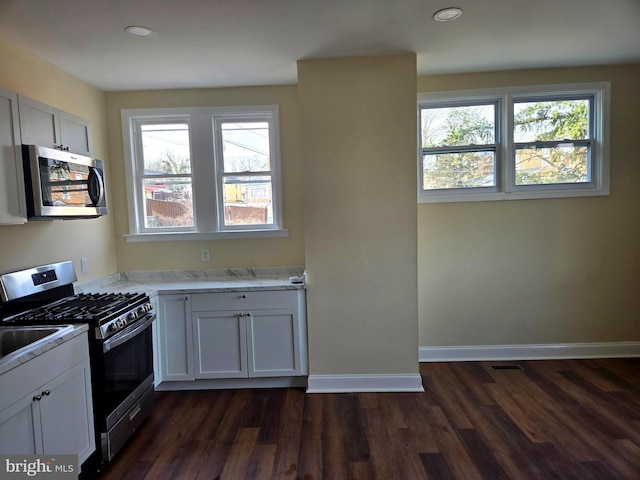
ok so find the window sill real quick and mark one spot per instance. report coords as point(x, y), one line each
point(518, 195)
point(186, 236)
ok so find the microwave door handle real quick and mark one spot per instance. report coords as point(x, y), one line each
point(95, 187)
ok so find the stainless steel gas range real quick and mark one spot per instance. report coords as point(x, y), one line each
point(120, 342)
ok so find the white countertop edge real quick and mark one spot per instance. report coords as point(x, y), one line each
point(154, 288)
point(204, 281)
point(19, 357)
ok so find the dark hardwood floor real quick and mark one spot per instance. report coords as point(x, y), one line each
point(571, 419)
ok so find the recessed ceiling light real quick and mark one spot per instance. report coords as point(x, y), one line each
point(447, 14)
point(139, 31)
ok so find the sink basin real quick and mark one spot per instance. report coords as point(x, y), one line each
point(13, 339)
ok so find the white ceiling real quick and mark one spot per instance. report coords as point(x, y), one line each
point(215, 43)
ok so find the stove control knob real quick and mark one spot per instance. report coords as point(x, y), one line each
point(132, 316)
point(112, 327)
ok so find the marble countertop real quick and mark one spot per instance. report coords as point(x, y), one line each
point(38, 348)
point(204, 281)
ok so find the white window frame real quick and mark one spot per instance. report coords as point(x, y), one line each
point(206, 172)
point(138, 168)
point(241, 117)
point(506, 189)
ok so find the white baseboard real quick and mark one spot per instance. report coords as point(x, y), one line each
point(529, 352)
point(232, 383)
point(365, 383)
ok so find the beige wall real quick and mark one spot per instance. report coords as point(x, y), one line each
point(537, 271)
point(358, 127)
point(224, 253)
point(38, 243)
point(529, 271)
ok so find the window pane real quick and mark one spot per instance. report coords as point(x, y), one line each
point(248, 200)
point(458, 170)
point(545, 166)
point(168, 202)
point(165, 148)
point(551, 120)
point(458, 126)
point(245, 147)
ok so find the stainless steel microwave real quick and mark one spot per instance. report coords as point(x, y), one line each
point(60, 184)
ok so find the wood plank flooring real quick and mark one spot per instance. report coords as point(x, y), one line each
point(571, 419)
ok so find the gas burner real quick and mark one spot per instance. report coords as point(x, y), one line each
point(92, 308)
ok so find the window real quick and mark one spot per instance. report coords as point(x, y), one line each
point(246, 176)
point(552, 140)
point(459, 146)
point(164, 162)
point(199, 173)
point(536, 142)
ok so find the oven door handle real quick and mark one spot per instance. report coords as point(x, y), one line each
point(120, 338)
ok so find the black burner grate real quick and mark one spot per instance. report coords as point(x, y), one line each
point(84, 307)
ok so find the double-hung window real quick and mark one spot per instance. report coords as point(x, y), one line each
point(516, 143)
point(165, 182)
point(459, 146)
point(198, 173)
point(246, 173)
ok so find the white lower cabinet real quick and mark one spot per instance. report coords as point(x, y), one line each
point(220, 346)
point(233, 335)
point(175, 350)
point(274, 346)
point(55, 417)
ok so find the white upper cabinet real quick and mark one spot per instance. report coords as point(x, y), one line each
point(27, 121)
point(75, 133)
point(41, 124)
point(12, 199)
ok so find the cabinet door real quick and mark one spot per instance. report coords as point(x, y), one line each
point(220, 346)
point(75, 134)
point(20, 428)
point(38, 123)
point(66, 413)
point(176, 338)
point(273, 343)
point(12, 199)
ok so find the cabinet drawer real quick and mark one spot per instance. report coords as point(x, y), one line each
point(247, 300)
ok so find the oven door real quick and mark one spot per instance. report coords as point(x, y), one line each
point(128, 368)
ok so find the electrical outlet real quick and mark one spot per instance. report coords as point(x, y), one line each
point(205, 254)
point(84, 266)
